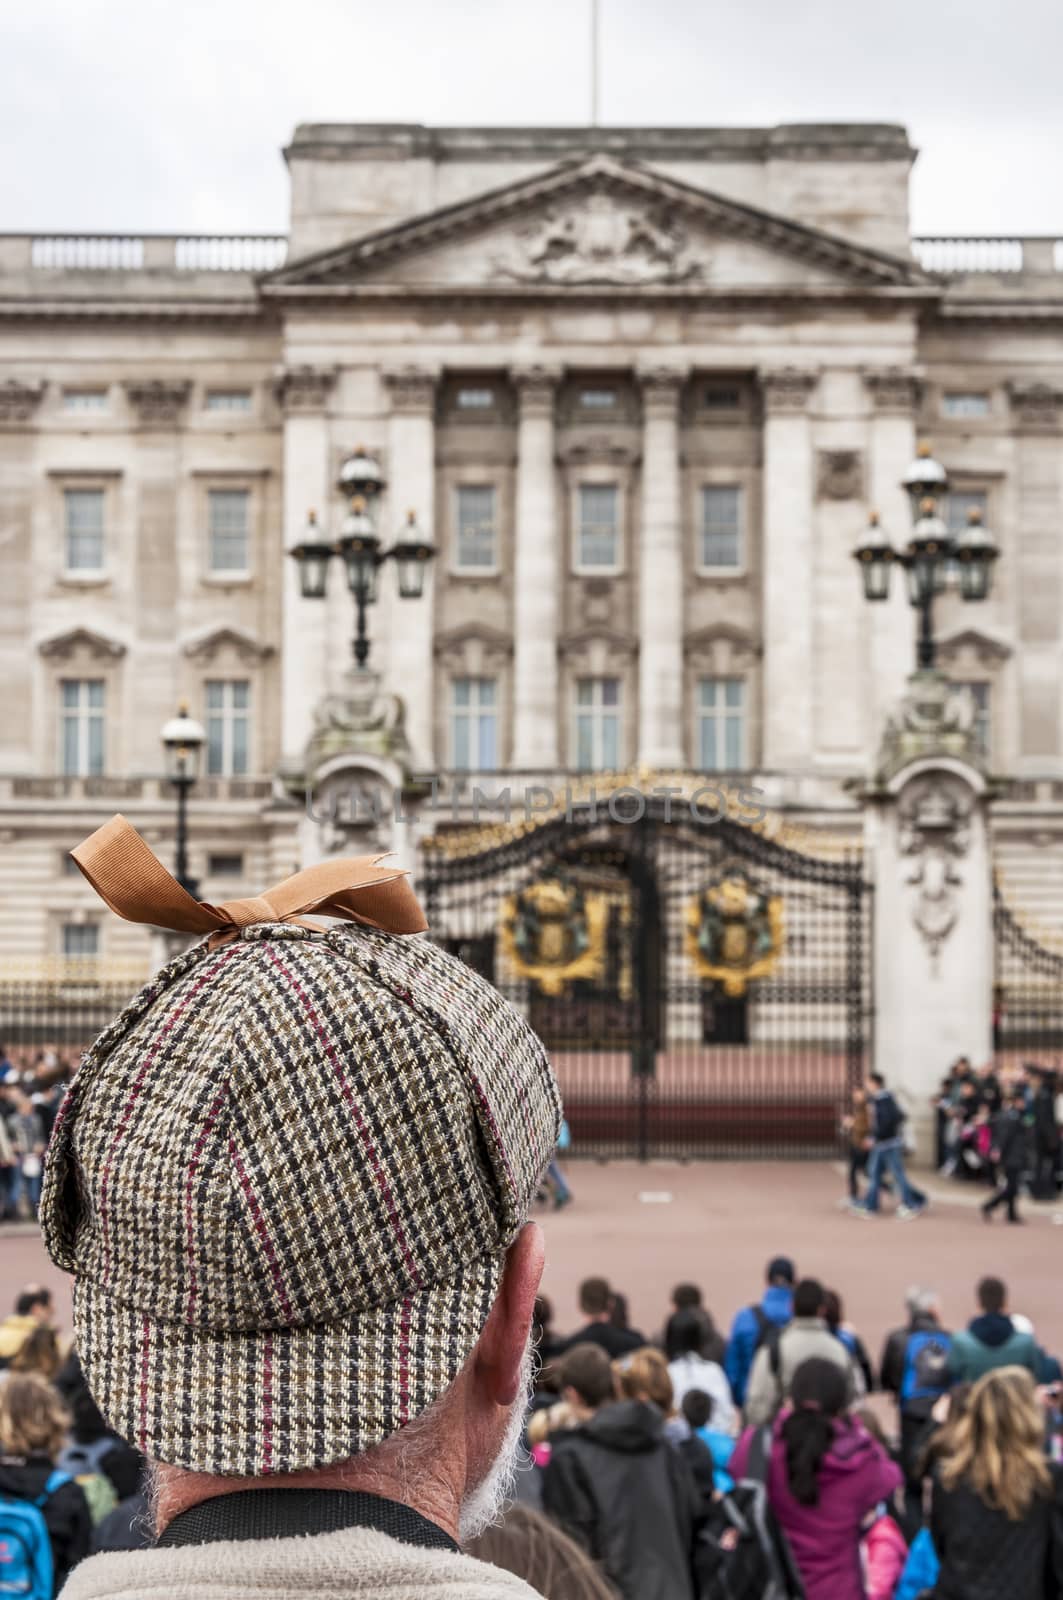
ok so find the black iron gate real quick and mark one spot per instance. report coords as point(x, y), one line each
point(1027, 993)
point(703, 990)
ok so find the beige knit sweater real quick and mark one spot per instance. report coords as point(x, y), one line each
point(356, 1562)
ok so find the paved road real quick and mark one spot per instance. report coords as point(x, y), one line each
point(646, 1227)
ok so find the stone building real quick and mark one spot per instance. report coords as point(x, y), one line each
point(642, 386)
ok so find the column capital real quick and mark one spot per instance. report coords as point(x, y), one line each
point(412, 389)
point(786, 390)
point(535, 384)
point(1035, 407)
point(661, 387)
point(19, 398)
point(303, 389)
point(894, 389)
point(158, 402)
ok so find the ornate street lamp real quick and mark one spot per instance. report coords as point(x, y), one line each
point(183, 739)
point(931, 556)
point(361, 482)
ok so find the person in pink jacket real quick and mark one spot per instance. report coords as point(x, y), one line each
point(825, 1474)
point(885, 1553)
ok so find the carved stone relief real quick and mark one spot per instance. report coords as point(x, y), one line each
point(600, 241)
point(934, 822)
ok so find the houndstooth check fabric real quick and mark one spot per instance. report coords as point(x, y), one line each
point(285, 1179)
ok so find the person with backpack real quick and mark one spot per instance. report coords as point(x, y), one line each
point(45, 1527)
point(784, 1351)
point(916, 1371)
point(1010, 1155)
point(825, 1474)
point(887, 1155)
point(752, 1324)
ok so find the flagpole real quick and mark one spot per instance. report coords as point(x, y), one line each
point(594, 62)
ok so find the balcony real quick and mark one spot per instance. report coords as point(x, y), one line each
point(152, 252)
point(1034, 256)
point(18, 791)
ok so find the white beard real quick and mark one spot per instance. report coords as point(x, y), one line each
point(484, 1505)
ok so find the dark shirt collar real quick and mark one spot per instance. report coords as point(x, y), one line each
point(291, 1513)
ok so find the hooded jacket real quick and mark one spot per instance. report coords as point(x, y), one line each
point(778, 1306)
point(991, 1341)
point(628, 1498)
point(854, 1476)
point(65, 1512)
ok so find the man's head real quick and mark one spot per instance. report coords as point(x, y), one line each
point(696, 1407)
point(35, 1301)
point(809, 1298)
point(992, 1295)
point(595, 1299)
point(780, 1273)
point(924, 1303)
point(875, 1083)
point(686, 1297)
point(327, 1145)
point(686, 1333)
point(586, 1377)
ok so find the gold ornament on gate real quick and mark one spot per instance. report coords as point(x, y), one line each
point(734, 932)
point(554, 932)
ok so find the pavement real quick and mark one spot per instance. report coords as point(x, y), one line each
point(649, 1226)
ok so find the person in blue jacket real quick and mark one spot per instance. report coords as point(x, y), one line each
point(753, 1322)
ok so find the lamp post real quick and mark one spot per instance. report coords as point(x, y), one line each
point(932, 555)
point(183, 739)
point(361, 482)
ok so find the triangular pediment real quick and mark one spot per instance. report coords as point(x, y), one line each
point(597, 224)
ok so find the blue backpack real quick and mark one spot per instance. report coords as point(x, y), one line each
point(26, 1568)
point(926, 1365)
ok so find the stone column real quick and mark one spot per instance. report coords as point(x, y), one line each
point(928, 847)
point(660, 581)
point(1032, 570)
point(787, 562)
point(411, 480)
point(894, 394)
point(302, 393)
point(536, 575)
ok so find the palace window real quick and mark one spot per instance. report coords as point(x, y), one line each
point(722, 530)
point(228, 530)
point(597, 399)
point(598, 527)
point(473, 399)
point(474, 724)
point(238, 400)
point(721, 397)
point(83, 532)
point(224, 865)
point(82, 400)
point(81, 727)
point(476, 545)
point(964, 403)
point(80, 941)
point(597, 724)
point(960, 503)
point(228, 727)
point(721, 714)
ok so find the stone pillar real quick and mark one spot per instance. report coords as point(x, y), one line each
point(894, 394)
point(1033, 571)
point(411, 479)
point(928, 847)
point(660, 583)
point(302, 393)
point(536, 575)
point(787, 561)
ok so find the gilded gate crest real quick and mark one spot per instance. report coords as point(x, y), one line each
point(734, 932)
point(554, 932)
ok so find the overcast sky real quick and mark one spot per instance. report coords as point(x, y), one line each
point(123, 115)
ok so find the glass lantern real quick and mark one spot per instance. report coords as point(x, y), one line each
point(183, 739)
point(876, 557)
point(974, 553)
point(411, 553)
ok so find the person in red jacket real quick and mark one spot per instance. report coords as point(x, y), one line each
point(825, 1475)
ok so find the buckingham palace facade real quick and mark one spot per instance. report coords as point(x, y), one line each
point(641, 387)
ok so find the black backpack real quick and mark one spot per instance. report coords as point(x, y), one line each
point(741, 1552)
point(768, 1333)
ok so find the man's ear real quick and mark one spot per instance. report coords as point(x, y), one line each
point(500, 1349)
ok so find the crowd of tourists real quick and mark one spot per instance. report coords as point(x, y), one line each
point(972, 1114)
point(32, 1082)
point(688, 1464)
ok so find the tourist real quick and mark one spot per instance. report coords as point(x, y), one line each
point(804, 1338)
point(834, 1316)
point(996, 1514)
point(33, 1309)
point(916, 1371)
point(752, 1324)
point(27, 1136)
point(688, 1369)
point(585, 1380)
point(887, 1154)
point(596, 1302)
point(697, 1409)
point(554, 1173)
point(856, 1126)
point(687, 1297)
point(301, 1254)
point(527, 1543)
point(39, 1353)
point(1010, 1155)
point(33, 1426)
point(825, 1475)
point(544, 1338)
point(626, 1496)
point(991, 1339)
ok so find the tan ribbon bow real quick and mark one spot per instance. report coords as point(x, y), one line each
point(127, 874)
